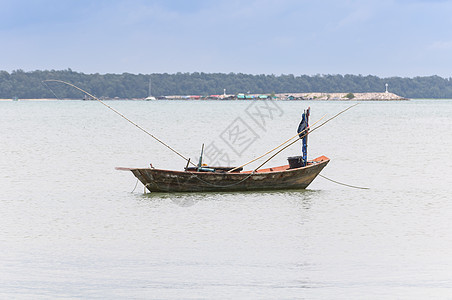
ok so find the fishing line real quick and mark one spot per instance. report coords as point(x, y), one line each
point(43, 82)
point(117, 112)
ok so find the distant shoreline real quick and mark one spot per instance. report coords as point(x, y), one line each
point(133, 86)
point(280, 96)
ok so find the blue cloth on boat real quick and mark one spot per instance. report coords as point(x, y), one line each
point(302, 132)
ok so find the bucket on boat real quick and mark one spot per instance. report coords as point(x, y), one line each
point(295, 162)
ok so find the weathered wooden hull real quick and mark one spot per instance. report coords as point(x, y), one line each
point(157, 180)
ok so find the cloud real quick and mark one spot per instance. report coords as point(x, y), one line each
point(441, 45)
point(356, 16)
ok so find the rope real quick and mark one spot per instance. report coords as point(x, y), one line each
point(333, 117)
point(217, 185)
point(117, 112)
point(208, 183)
point(352, 186)
point(135, 186)
point(297, 135)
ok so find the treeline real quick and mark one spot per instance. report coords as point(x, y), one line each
point(31, 85)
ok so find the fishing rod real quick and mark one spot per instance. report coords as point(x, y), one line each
point(120, 114)
point(288, 140)
point(333, 117)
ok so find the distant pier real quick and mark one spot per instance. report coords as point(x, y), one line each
point(385, 96)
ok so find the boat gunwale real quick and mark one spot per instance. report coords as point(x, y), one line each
point(314, 162)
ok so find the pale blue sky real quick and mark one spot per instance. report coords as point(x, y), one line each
point(382, 37)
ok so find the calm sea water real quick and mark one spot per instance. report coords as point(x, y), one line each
point(72, 226)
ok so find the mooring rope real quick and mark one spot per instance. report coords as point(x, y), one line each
point(120, 114)
point(136, 184)
point(349, 185)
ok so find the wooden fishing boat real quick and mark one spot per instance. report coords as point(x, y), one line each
point(191, 180)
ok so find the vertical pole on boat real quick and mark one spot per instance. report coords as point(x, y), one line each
point(200, 158)
point(304, 128)
point(305, 138)
point(188, 162)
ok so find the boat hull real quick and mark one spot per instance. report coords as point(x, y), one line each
point(279, 178)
